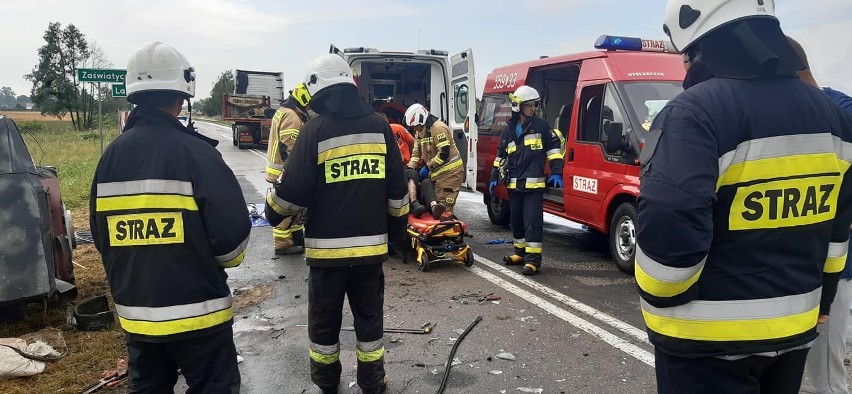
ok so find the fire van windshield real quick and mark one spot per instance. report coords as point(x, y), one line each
point(645, 100)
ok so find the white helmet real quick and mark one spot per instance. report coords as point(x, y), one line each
point(327, 70)
point(687, 21)
point(522, 95)
point(416, 115)
point(157, 67)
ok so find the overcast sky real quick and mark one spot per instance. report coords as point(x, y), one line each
point(217, 35)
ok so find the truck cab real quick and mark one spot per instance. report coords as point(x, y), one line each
point(392, 81)
point(603, 102)
point(256, 97)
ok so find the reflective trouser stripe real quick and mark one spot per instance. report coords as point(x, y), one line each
point(739, 320)
point(159, 321)
point(534, 247)
point(520, 243)
point(368, 352)
point(324, 354)
point(661, 280)
point(286, 234)
point(836, 261)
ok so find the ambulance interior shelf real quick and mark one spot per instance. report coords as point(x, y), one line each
point(404, 84)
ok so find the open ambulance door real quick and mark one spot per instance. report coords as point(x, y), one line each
point(463, 112)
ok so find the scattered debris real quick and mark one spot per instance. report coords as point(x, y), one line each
point(282, 276)
point(459, 331)
point(419, 364)
point(298, 296)
point(585, 354)
point(246, 297)
point(240, 359)
point(528, 319)
point(503, 317)
point(433, 339)
point(395, 340)
point(506, 356)
point(434, 371)
point(453, 353)
point(495, 372)
point(531, 390)
point(351, 384)
point(489, 358)
point(495, 302)
point(498, 241)
point(455, 362)
point(468, 298)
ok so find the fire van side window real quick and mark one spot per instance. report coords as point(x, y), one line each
point(591, 102)
point(495, 112)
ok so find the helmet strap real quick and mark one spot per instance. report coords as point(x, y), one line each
point(189, 123)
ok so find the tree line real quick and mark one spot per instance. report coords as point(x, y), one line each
point(56, 90)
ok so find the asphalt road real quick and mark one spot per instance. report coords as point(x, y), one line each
point(575, 328)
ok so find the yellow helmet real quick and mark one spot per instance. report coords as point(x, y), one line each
point(301, 94)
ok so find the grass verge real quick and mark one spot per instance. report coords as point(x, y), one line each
point(75, 155)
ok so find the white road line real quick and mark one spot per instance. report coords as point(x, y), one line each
point(626, 328)
point(616, 342)
point(229, 137)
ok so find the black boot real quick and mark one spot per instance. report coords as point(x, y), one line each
point(437, 210)
point(417, 209)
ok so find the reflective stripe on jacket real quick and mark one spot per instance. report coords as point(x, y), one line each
point(744, 212)
point(168, 216)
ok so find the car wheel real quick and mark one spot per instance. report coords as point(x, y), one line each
point(622, 236)
point(498, 210)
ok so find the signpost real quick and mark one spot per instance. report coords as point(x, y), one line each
point(119, 91)
point(105, 75)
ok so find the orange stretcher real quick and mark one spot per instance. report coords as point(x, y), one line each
point(439, 241)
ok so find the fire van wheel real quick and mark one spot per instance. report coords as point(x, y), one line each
point(622, 236)
point(234, 136)
point(498, 210)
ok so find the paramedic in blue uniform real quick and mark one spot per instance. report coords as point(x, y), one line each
point(744, 207)
point(525, 147)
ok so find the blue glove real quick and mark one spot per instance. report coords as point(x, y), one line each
point(424, 173)
point(491, 187)
point(555, 180)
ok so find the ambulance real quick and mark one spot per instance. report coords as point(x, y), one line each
point(392, 81)
point(603, 102)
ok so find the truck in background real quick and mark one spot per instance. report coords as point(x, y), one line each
point(256, 97)
point(604, 103)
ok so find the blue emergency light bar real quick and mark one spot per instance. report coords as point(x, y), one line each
point(618, 43)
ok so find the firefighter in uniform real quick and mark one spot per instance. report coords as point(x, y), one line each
point(347, 171)
point(525, 146)
point(744, 207)
point(168, 216)
point(443, 169)
point(288, 237)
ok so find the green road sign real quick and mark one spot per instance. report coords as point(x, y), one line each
point(119, 91)
point(100, 75)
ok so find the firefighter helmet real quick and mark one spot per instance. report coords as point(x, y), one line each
point(327, 70)
point(301, 94)
point(157, 67)
point(523, 94)
point(687, 21)
point(416, 115)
